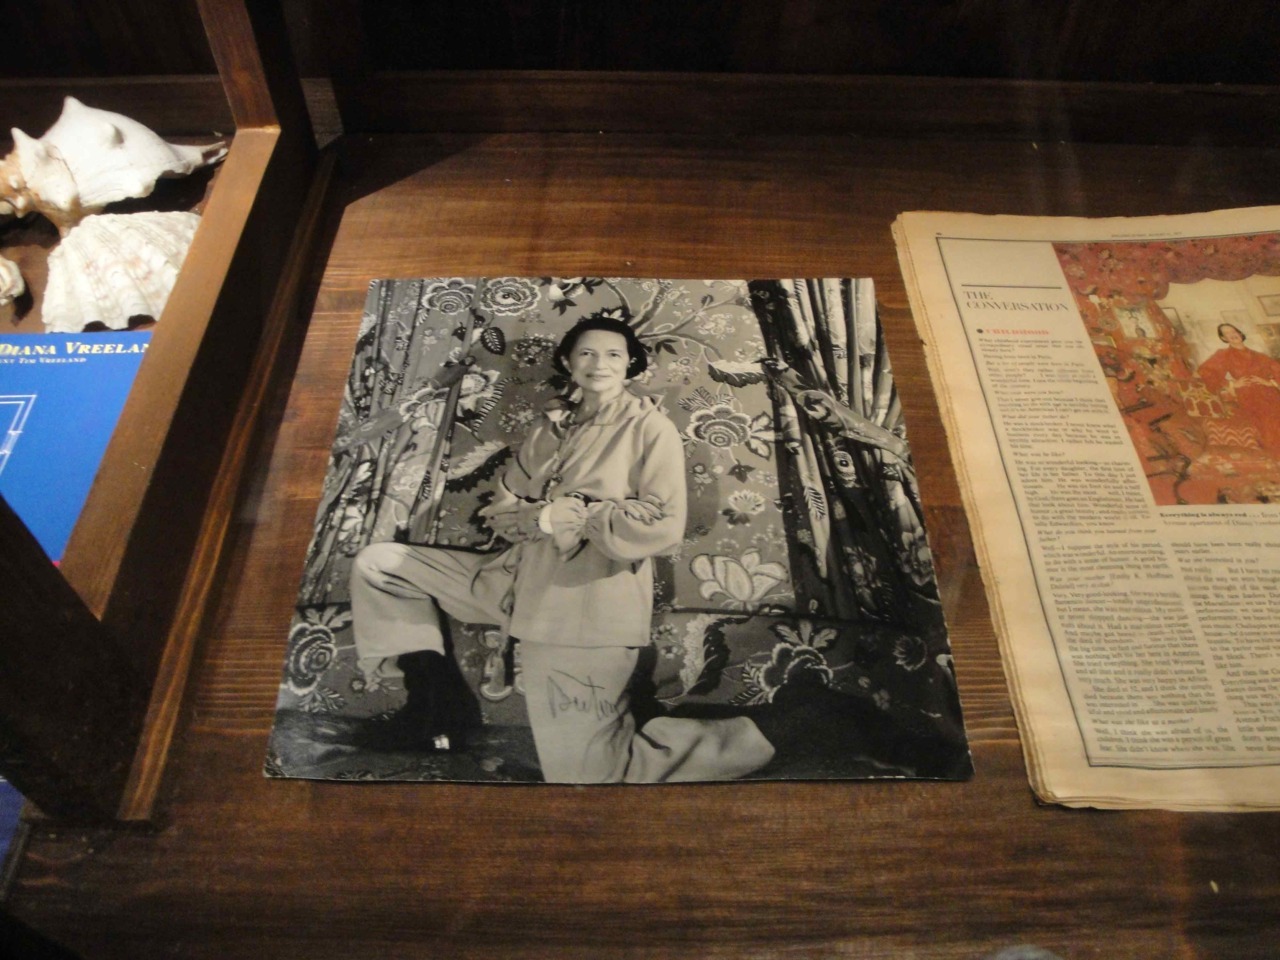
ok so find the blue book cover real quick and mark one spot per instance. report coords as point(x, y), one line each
point(60, 397)
point(10, 814)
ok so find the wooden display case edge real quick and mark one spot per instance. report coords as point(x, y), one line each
point(145, 553)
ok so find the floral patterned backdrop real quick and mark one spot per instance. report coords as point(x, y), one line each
point(804, 546)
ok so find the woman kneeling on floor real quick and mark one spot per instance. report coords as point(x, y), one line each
point(595, 492)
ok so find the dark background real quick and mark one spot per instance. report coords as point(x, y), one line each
point(1160, 41)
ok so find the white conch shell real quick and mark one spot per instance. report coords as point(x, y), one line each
point(88, 159)
point(12, 286)
point(111, 157)
point(115, 266)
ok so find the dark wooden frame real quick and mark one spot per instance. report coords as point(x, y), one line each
point(147, 547)
point(372, 100)
point(727, 104)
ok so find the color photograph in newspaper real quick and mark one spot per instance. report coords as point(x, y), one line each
point(1192, 355)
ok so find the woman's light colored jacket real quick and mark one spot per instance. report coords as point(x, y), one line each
point(627, 462)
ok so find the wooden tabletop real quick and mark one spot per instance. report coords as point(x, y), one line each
point(239, 866)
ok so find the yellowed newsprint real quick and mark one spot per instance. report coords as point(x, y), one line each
point(1111, 393)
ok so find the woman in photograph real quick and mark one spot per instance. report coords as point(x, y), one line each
point(1250, 379)
point(594, 493)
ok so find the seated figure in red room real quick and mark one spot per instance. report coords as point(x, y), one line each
point(1249, 379)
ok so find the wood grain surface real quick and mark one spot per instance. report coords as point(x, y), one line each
point(239, 866)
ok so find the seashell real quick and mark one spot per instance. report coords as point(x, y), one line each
point(12, 285)
point(34, 180)
point(37, 180)
point(114, 267)
point(112, 157)
point(88, 159)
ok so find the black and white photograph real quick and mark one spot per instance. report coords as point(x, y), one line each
point(617, 530)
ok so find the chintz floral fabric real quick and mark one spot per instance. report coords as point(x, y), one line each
point(804, 551)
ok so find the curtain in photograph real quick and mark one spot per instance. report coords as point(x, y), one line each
point(846, 450)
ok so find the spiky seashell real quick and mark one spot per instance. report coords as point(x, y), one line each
point(88, 159)
point(37, 179)
point(114, 267)
point(12, 286)
point(112, 157)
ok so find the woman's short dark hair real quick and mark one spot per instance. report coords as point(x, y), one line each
point(638, 361)
point(1223, 326)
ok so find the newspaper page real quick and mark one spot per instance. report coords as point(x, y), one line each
point(1111, 393)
